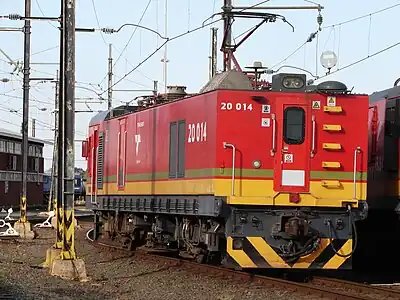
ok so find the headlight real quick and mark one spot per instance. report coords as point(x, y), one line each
point(292, 82)
point(256, 164)
point(237, 244)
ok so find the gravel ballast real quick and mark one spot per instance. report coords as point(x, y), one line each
point(113, 275)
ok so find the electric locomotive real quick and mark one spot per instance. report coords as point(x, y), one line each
point(271, 178)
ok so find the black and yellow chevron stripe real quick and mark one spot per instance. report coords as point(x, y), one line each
point(256, 253)
point(68, 243)
point(59, 229)
point(23, 218)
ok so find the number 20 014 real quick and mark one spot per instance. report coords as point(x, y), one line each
point(236, 106)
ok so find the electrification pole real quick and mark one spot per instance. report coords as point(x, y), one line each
point(228, 33)
point(110, 74)
point(213, 51)
point(53, 186)
point(68, 244)
point(60, 141)
point(23, 227)
point(165, 59)
point(33, 127)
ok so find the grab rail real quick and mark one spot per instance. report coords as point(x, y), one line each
point(273, 150)
point(97, 174)
point(356, 151)
point(118, 157)
point(226, 145)
point(92, 179)
point(313, 136)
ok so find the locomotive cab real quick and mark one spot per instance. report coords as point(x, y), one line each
point(297, 207)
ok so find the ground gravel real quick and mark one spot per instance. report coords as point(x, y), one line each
point(113, 275)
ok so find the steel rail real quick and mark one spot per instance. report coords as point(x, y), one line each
point(241, 276)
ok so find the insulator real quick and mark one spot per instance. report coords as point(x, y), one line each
point(14, 17)
point(108, 30)
point(319, 20)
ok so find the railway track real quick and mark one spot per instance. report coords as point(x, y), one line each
point(364, 291)
point(325, 288)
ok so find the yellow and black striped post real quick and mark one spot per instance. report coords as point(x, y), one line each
point(67, 265)
point(68, 242)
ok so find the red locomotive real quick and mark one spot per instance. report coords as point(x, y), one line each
point(262, 174)
point(270, 175)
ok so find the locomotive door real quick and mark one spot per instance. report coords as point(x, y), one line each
point(121, 164)
point(94, 142)
point(292, 159)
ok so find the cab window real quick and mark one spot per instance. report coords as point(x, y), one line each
point(293, 125)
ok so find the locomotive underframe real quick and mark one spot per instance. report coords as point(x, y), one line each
point(200, 226)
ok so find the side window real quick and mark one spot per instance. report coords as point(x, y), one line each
point(17, 148)
point(293, 125)
point(36, 164)
point(2, 146)
point(177, 139)
point(10, 147)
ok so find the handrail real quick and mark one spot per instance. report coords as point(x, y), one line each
point(313, 136)
point(92, 179)
point(273, 150)
point(226, 145)
point(356, 151)
point(97, 174)
point(118, 157)
point(124, 166)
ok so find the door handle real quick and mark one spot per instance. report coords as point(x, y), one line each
point(285, 150)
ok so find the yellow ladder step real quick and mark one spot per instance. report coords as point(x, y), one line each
point(330, 164)
point(331, 146)
point(331, 183)
point(334, 109)
point(329, 127)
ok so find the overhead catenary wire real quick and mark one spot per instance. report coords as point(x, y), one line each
point(174, 38)
point(332, 26)
point(41, 11)
point(360, 60)
point(159, 48)
point(98, 22)
point(121, 52)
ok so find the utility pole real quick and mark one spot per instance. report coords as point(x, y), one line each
point(213, 52)
point(33, 127)
point(228, 33)
point(165, 59)
point(110, 74)
point(53, 185)
point(68, 265)
point(22, 226)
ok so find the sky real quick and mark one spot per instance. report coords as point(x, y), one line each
point(188, 56)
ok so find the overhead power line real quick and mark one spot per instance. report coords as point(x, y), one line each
point(360, 60)
point(160, 47)
point(336, 25)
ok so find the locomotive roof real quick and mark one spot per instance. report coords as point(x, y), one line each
point(12, 134)
point(228, 80)
point(388, 93)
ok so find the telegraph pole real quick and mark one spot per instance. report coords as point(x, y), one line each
point(110, 74)
point(22, 226)
point(67, 265)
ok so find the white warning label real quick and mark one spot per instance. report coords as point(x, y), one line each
point(266, 109)
point(288, 158)
point(331, 101)
point(265, 122)
point(316, 105)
